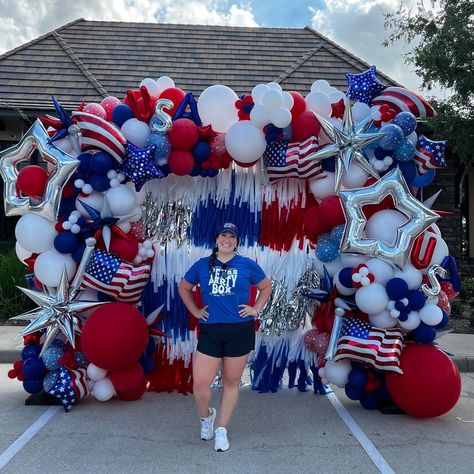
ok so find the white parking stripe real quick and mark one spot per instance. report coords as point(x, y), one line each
point(373, 453)
point(24, 438)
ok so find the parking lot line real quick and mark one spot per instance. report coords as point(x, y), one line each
point(374, 454)
point(26, 436)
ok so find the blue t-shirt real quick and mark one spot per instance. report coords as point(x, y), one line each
point(227, 288)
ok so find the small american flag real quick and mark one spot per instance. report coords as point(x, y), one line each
point(107, 273)
point(362, 342)
point(429, 154)
point(292, 160)
point(70, 387)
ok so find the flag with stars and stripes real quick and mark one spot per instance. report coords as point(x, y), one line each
point(70, 386)
point(109, 274)
point(429, 154)
point(292, 160)
point(362, 342)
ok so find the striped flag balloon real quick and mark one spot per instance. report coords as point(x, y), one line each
point(404, 100)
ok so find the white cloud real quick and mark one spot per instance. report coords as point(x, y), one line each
point(24, 20)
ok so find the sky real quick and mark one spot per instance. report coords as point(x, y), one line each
point(356, 25)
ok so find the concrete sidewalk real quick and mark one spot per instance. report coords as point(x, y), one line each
point(459, 346)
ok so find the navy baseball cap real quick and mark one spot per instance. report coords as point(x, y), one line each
point(228, 227)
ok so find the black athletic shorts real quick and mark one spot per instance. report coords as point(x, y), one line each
point(226, 339)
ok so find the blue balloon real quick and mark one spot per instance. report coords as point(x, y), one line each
point(406, 121)
point(201, 151)
point(77, 254)
point(31, 350)
point(370, 401)
point(146, 361)
point(416, 300)
point(66, 242)
point(288, 134)
point(51, 357)
point(424, 333)
point(345, 277)
point(211, 172)
point(353, 392)
point(99, 182)
point(50, 380)
point(443, 322)
point(422, 180)
point(81, 359)
point(329, 164)
point(101, 162)
point(337, 233)
point(33, 368)
point(396, 288)
point(405, 152)
point(33, 385)
point(393, 137)
point(380, 153)
point(327, 251)
point(84, 165)
point(162, 145)
point(121, 114)
point(357, 378)
point(365, 86)
point(203, 173)
point(196, 171)
point(408, 169)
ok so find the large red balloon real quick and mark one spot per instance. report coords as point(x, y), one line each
point(114, 336)
point(176, 95)
point(313, 221)
point(183, 135)
point(181, 162)
point(430, 385)
point(123, 248)
point(331, 211)
point(129, 379)
point(304, 126)
point(132, 394)
point(299, 104)
point(31, 180)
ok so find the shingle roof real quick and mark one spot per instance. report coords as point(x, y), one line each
point(88, 60)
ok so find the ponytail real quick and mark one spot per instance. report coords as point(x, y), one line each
point(212, 260)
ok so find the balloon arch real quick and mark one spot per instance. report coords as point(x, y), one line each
point(327, 191)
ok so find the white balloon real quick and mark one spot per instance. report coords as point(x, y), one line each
point(136, 132)
point(332, 267)
point(259, 115)
point(356, 178)
point(372, 299)
point(341, 289)
point(122, 200)
point(280, 117)
point(337, 372)
point(103, 390)
point(22, 253)
point(87, 295)
point(350, 260)
point(323, 187)
point(275, 86)
point(125, 226)
point(383, 225)
point(412, 138)
point(245, 142)
point(272, 99)
point(360, 111)
point(321, 85)
point(288, 100)
point(216, 107)
point(431, 314)
point(336, 96)
point(258, 92)
point(319, 102)
point(381, 270)
point(34, 233)
point(164, 82)
point(152, 87)
point(65, 145)
point(383, 320)
point(137, 214)
point(412, 322)
point(50, 264)
point(411, 275)
point(96, 373)
point(94, 200)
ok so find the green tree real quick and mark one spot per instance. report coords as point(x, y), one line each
point(442, 39)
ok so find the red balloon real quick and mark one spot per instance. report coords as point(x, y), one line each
point(304, 126)
point(299, 104)
point(183, 135)
point(313, 221)
point(31, 180)
point(109, 104)
point(176, 95)
point(123, 248)
point(132, 394)
point(114, 336)
point(331, 212)
point(129, 379)
point(181, 162)
point(95, 109)
point(430, 385)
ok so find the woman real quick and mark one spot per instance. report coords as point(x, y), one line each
point(226, 330)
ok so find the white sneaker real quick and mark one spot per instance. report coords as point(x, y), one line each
point(221, 442)
point(207, 425)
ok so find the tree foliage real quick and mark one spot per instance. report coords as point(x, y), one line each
point(442, 37)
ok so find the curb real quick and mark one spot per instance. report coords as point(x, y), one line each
point(464, 364)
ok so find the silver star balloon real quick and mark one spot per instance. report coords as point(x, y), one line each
point(347, 145)
point(420, 217)
point(56, 312)
point(36, 138)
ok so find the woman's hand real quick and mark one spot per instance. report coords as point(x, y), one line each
point(201, 313)
point(247, 311)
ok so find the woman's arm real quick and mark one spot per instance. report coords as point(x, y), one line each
point(264, 291)
point(185, 291)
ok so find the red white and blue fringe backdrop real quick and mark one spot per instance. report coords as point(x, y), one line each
point(327, 192)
